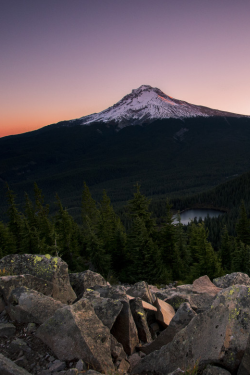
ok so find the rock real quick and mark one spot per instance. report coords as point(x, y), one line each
point(218, 336)
point(147, 306)
point(176, 300)
point(2, 304)
point(165, 312)
point(51, 269)
point(7, 329)
point(204, 285)
point(57, 366)
point(244, 368)
point(134, 359)
point(214, 370)
point(141, 290)
point(123, 366)
point(81, 366)
point(181, 319)
point(178, 371)
point(31, 327)
point(17, 345)
point(107, 310)
point(155, 330)
point(232, 279)
point(140, 319)
point(8, 367)
point(82, 281)
point(185, 289)
point(117, 350)
point(29, 306)
point(162, 295)
point(92, 372)
point(201, 302)
point(75, 332)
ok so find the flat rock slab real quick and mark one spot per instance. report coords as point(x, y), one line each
point(218, 336)
point(232, 279)
point(46, 267)
point(8, 367)
point(29, 306)
point(204, 285)
point(82, 281)
point(165, 312)
point(75, 332)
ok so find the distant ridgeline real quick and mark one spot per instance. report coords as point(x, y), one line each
point(133, 246)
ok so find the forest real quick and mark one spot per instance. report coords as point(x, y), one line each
point(130, 245)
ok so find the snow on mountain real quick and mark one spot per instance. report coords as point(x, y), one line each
point(147, 104)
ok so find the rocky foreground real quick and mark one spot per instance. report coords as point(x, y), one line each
point(55, 322)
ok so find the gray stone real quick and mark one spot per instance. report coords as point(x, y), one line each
point(107, 310)
point(134, 359)
point(178, 371)
point(19, 344)
point(181, 319)
point(57, 366)
point(31, 327)
point(123, 367)
point(244, 368)
point(29, 306)
point(177, 299)
point(218, 336)
point(52, 269)
point(2, 304)
point(214, 370)
point(140, 319)
point(75, 332)
point(8, 367)
point(82, 281)
point(232, 279)
point(117, 350)
point(141, 290)
point(7, 329)
point(81, 366)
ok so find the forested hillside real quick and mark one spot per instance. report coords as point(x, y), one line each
point(143, 251)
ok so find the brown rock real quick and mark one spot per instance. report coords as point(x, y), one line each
point(117, 350)
point(165, 312)
point(75, 332)
point(123, 366)
point(51, 269)
point(204, 285)
point(134, 359)
point(244, 368)
point(29, 306)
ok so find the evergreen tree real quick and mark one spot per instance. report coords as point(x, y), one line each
point(7, 241)
point(243, 226)
point(225, 251)
point(90, 213)
point(182, 251)
point(15, 224)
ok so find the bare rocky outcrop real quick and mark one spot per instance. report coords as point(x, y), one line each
point(51, 269)
point(29, 306)
point(76, 332)
point(232, 279)
point(82, 281)
point(218, 336)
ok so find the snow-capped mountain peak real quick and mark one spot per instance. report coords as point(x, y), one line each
point(146, 104)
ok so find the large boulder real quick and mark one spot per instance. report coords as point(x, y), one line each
point(75, 332)
point(165, 312)
point(204, 285)
point(82, 281)
point(218, 336)
point(181, 319)
point(232, 279)
point(46, 267)
point(214, 370)
point(8, 367)
point(244, 368)
point(29, 306)
point(140, 319)
point(141, 290)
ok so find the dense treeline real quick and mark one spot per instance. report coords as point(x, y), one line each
point(144, 250)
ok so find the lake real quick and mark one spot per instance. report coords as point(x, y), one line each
point(189, 215)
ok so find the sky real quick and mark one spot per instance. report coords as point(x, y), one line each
point(64, 59)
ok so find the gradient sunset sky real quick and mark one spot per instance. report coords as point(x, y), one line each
point(63, 59)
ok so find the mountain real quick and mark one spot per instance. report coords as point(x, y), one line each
point(146, 104)
point(167, 156)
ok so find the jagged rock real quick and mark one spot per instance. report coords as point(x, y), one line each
point(31, 327)
point(75, 332)
point(19, 344)
point(218, 336)
point(232, 279)
point(140, 319)
point(51, 269)
point(214, 370)
point(7, 329)
point(162, 295)
point(92, 372)
point(82, 281)
point(8, 367)
point(81, 366)
point(29, 306)
point(123, 366)
point(204, 285)
point(117, 350)
point(176, 300)
point(91, 294)
point(185, 289)
point(106, 309)
point(181, 319)
point(165, 312)
point(244, 368)
point(201, 302)
point(57, 366)
point(124, 328)
point(141, 290)
point(134, 359)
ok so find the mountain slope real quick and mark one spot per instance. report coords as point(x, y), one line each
point(147, 104)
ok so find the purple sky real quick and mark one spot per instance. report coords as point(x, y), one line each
point(63, 59)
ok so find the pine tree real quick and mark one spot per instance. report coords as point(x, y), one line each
point(7, 241)
point(243, 226)
point(225, 251)
point(181, 245)
point(90, 213)
point(15, 224)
